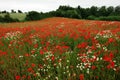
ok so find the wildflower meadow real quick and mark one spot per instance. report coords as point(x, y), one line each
point(60, 49)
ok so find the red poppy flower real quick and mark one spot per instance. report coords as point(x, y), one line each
point(41, 52)
point(110, 40)
point(82, 45)
point(108, 58)
point(81, 76)
point(93, 67)
point(33, 65)
point(53, 58)
point(17, 77)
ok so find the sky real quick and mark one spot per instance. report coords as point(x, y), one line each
point(49, 5)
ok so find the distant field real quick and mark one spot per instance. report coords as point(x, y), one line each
point(93, 24)
point(19, 16)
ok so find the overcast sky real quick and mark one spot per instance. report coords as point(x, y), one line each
point(49, 5)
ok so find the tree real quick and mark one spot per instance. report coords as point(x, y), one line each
point(117, 10)
point(103, 11)
point(65, 8)
point(83, 13)
point(94, 11)
point(78, 9)
point(12, 11)
point(110, 10)
point(33, 15)
point(19, 11)
point(72, 14)
point(4, 11)
point(88, 13)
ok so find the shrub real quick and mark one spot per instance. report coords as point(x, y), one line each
point(110, 18)
point(91, 17)
point(33, 15)
point(1, 19)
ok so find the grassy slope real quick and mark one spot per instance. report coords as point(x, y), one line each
point(20, 16)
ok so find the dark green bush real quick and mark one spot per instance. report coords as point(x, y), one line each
point(91, 17)
point(1, 19)
point(110, 18)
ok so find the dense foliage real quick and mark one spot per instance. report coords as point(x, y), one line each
point(95, 13)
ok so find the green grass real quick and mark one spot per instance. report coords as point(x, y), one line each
point(2, 14)
point(19, 16)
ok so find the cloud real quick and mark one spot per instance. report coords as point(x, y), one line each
point(48, 5)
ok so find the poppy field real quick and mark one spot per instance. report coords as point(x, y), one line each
point(60, 49)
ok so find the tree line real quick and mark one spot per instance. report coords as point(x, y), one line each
point(93, 13)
